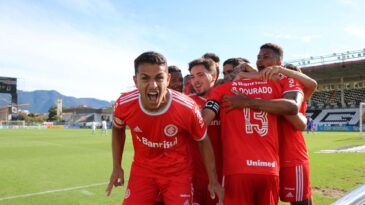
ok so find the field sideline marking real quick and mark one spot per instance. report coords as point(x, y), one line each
point(51, 191)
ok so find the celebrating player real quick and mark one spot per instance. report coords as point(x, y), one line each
point(294, 162)
point(161, 121)
point(203, 75)
point(250, 135)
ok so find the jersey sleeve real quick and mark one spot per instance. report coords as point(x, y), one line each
point(117, 114)
point(290, 85)
point(197, 128)
point(215, 97)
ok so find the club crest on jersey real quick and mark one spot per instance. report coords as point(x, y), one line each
point(170, 130)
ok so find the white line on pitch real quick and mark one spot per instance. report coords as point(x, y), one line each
point(51, 191)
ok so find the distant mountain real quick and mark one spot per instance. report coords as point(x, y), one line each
point(40, 100)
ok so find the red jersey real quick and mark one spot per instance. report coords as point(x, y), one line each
point(293, 150)
point(161, 139)
point(250, 137)
point(214, 134)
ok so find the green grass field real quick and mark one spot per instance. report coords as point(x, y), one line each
point(72, 166)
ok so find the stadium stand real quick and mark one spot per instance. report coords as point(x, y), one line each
point(341, 88)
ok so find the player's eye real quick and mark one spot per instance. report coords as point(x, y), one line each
point(159, 78)
point(144, 78)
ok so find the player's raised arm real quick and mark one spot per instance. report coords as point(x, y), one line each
point(295, 72)
point(117, 176)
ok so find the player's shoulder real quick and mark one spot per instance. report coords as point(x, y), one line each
point(128, 96)
point(182, 99)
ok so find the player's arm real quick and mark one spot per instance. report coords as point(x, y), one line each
point(118, 141)
point(248, 75)
point(207, 154)
point(299, 121)
point(209, 112)
point(308, 83)
point(274, 106)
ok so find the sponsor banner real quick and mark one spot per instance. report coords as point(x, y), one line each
point(337, 128)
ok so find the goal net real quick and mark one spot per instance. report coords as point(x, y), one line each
point(362, 120)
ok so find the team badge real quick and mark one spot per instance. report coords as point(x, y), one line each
point(127, 193)
point(170, 130)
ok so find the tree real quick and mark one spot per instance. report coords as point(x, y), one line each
point(52, 114)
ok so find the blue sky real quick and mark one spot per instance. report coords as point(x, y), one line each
point(86, 48)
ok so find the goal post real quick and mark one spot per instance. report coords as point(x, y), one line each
point(362, 118)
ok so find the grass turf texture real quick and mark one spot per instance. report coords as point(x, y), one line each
point(35, 161)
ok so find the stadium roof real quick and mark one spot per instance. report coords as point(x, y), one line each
point(330, 73)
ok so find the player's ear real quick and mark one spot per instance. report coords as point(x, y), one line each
point(168, 78)
point(278, 61)
point(135, 81)
point(214, 76)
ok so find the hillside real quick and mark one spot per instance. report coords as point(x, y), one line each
point(40, 100)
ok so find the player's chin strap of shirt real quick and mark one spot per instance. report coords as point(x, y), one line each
point(212, 105)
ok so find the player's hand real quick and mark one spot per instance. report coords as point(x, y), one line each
point(269, 72)
point(232, 102)
point(116, 179)
point(216, 189)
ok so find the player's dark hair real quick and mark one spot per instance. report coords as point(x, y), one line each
point(212, 56)
point(149, 57)
point(208, 64)
point(174, 69)
point(274, 47)
point(292, 67)
point(235, 61)
point(215, 58)
point(245, 60)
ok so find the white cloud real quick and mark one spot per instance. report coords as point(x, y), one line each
point(52, 54)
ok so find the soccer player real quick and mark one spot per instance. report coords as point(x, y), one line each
point(229, 65)
point(161, 123)
point(188, 87)
point(93, 127)
point(104, 127)
point(176, 82)
point(216, 60)
point(203, 76)
point(294, 162)
point(250, 134)
point(294, 166)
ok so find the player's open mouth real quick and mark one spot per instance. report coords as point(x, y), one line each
point(152, 96)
